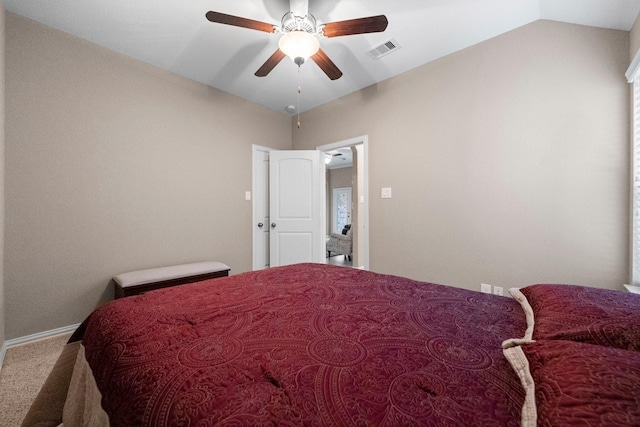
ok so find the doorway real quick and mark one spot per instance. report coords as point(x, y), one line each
point(360, 195)
point(360, 206)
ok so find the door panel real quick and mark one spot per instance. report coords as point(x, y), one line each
point(296, 192)
point(295, 247)
point(295, 188)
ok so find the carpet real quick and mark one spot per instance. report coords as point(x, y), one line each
point(24, 370)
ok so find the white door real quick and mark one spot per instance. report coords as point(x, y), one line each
point(341, 208)
point(296, 203)
point(260, 208)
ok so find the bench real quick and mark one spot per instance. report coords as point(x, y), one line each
point(139, 282)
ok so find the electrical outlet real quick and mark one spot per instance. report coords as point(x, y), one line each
point(484, 288)
point(497, 290)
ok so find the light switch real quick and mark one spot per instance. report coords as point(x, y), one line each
point(247, 195)
point(386, 193)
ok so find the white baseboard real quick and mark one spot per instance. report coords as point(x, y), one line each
point(33, 337)
point(3, 351)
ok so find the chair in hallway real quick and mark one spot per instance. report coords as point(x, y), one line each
point(341, 243)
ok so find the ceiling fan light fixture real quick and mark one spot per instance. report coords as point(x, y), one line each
point(299, 45)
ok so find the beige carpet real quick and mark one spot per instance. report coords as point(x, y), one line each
point(24, 370)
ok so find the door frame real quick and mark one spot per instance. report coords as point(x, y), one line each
point(348, 143)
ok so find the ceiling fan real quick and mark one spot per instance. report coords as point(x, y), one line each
point(329, 156)
point(300, 35)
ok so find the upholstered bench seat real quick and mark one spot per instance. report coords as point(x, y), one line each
point(138, 282)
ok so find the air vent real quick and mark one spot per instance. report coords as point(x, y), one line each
point(384, 49)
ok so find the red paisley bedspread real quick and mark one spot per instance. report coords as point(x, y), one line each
point(307, 344)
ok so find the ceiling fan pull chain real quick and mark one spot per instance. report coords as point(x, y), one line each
point(299, 94)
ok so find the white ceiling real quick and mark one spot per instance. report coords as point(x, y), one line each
point(175, 35)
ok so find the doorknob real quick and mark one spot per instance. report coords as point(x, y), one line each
point(260, 225)
point(273, 225)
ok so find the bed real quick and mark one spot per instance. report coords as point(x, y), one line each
point(320, 345)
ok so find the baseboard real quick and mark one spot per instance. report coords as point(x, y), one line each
point(33, 337)
point(3, 351)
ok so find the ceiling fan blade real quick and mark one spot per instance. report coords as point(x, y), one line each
point(270, 64)
point(327, 65)
point(372, 24)
point(236, 21)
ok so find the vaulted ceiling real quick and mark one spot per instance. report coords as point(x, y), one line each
point(176, 36)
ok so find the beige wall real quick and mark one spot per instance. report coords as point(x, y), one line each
point(111, 166)
point(2, 298)
point(508, 163)
point(508, 160)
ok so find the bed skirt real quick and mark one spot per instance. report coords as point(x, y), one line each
point(70, 395)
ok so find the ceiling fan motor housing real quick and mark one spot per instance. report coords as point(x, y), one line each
point(290, 22)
